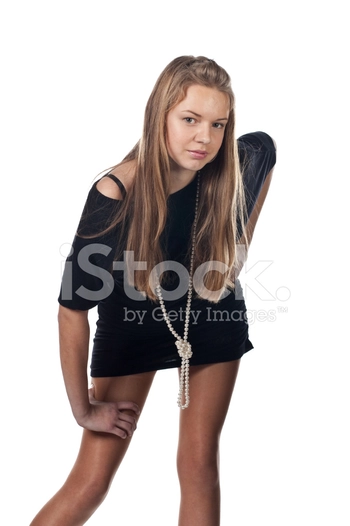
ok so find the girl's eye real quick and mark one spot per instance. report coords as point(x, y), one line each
point(218, 125)
point(189, 120)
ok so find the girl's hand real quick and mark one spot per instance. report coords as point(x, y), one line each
point(110, 417)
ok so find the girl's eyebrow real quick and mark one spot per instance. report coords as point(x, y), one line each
point(197, 115)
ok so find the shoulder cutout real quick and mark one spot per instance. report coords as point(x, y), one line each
point(107, 187)
point(116, 183)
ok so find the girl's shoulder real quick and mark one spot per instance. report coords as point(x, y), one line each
point(109, 185)
point(258, 141)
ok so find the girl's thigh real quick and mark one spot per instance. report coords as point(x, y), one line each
point(211, 388)
point(100, 454)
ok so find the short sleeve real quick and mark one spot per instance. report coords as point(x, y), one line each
point(87, 278)
point(257, 154)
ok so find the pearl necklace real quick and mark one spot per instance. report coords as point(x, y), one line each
point(183, 345)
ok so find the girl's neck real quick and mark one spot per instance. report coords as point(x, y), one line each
point(180, 179)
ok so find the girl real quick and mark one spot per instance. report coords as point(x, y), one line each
point(158, 250)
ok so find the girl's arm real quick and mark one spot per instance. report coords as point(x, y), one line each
point(74, 333)
point(254, 216)
point(74, 350)
point(251, 224)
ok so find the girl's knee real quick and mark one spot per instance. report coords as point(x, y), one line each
point(96, 490)
point(90, 491)
point(198, 466)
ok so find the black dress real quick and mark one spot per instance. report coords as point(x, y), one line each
point(131, 335)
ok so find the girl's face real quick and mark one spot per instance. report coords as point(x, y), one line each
point(195, 128)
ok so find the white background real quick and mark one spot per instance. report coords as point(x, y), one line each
point(75, 79)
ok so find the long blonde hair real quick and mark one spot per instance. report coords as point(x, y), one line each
point(221, 205)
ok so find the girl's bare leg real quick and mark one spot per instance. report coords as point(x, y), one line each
point(211, 387)
point(99, 458)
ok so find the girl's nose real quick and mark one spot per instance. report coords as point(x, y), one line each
point(203, 135)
